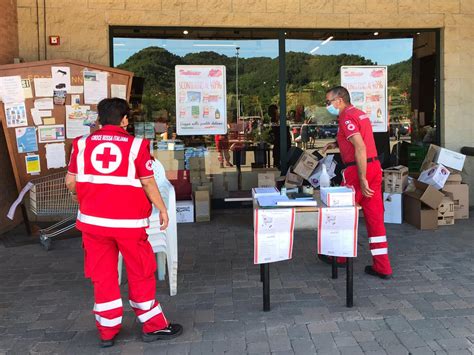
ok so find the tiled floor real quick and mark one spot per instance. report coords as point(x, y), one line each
point(428, 307)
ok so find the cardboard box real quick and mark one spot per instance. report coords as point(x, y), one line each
point(435, 176)
point(339, 196)
point(330, 168)
point(305, 165)
point(454, 178)
point(196, 163)
point(416, 213)
point(395, 179)
point(172, 164)
point(202, 206)
point(443, 156)
point(427, 194)
point(266, 180)
point(293, 180)
point(460, 194)
point(393, 206)
point(446, 211)
point(185, 211)
point(166, 155)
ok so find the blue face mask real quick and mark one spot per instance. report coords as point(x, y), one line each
point(332, 110)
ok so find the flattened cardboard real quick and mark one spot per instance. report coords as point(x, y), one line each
point(305, 165)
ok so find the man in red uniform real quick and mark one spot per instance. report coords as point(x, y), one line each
point(111, 172)
point(363, 171)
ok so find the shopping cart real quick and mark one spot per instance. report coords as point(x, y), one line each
point(50, 197)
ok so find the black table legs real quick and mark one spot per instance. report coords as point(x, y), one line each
point(265, 268)
point(350, 283)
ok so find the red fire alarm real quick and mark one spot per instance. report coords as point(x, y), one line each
point(54, 40)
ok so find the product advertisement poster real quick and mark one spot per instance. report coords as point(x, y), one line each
point(367, 86)
point(201, 102)
point(51, 133)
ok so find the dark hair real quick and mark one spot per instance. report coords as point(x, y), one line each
point(272, 110)
point(111, 111)
point(340, 91)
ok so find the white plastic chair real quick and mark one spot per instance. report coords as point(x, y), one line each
point(164, 243)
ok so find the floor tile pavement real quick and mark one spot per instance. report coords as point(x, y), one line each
point(428, 306)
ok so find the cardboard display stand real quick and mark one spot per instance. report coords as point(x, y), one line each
point(42, 69)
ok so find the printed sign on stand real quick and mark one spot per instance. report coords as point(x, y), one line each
point(201, 98)
point(273, 234)
point(367, 86)
point(337, 231)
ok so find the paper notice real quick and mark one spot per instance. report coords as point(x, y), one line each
point(27, 89)
point(32, 163)
point(273, 234)
point(337, 231)
point(43, 87)
point(75, 99)
point(119, 91)
point(11, 90)
point(35, 114)
point(44, 104)
point(95, 87)
point(61, 77)
point(55, 156)
point(11, 211)
point(26, 141)
point(79, 89)
point(76, 119)
point(49, 120)
point(51, 133)
point(15, 114)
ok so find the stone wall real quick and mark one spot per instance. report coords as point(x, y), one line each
point(83, 27)
point(8, 51)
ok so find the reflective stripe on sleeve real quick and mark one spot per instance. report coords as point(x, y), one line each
point(381, 239)
point(150, 314)
point(112, 223)
point(106, 322)
point(144, 306)
point(107, 306)
point(379, 251)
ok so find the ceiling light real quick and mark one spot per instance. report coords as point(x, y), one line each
point(327, 40)
point(185, 32)
point(376, 33)
point(314, 50)
point(418, 33)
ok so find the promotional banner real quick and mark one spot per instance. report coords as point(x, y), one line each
point(368, 88)
point(201, 106)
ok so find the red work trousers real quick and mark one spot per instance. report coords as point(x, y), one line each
point(373, 213)
point(100, 265)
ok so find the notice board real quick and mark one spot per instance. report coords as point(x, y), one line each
point(367, 86)
point(29, 136)
point(201, 99)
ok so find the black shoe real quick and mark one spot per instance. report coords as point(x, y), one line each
point(369, 270)
point(107, 343)
point(328, 260)
point(172, 331)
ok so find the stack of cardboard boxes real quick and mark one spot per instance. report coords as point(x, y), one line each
point(436, 198)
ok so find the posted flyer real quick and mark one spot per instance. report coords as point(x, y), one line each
point(201, 100)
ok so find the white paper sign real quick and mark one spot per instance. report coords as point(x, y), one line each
point(43, 87)
point(273, 234)
point(61, 78)
point(55, 155)
point(76, 116)
point(367, 86)
point(95, 87)
point(119, 91)
point(201, 100)
point(11, 90)
point(79, 89)
point(337, 231)
point(44, 104)
point(27, 89)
